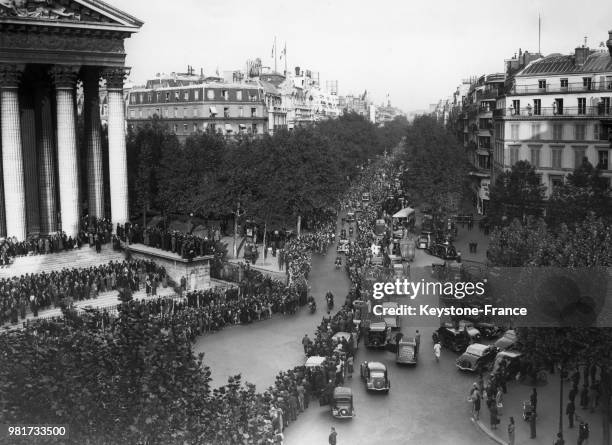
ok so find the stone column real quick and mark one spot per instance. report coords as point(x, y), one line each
point(65, 78)
point(30, 168)
point(47, 184)
point(95, 166)
point(117, 156)
point(12, 156)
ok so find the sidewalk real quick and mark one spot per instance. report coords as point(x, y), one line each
point(547, 425)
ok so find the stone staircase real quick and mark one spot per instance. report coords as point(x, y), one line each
point(77, 258)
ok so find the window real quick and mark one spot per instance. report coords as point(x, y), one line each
point(514, 154)
point(516, 107)
point(556, 181)
point(580, 132)
point(175, 112)
point(602, 160)
point(167, 96)
point(596, 132)
point(210, 94)
point(186, 95)
point(195, 112)
point(226, 112)
point(542, 84)
point(132, 113)
point(535, 157)
point(557, 131)
point(563, 83)
point(140, 113)
point(212, 128)
point(557, 156)
point(133, 98)
point(185, 127)
point(604, 106)
point(587, 83)
point(185, 112)
point(225, 94)
point(157, 112)
point(150, 97)
point(581, 105)
point(254, 128)
point(177, 95)
point(558, 106)
point(196, 94)
point(579, 155)
point(195, 128)
point(514, 131)
point(241, 111)
point(175, 127)
point(537, 107)
point(253, 112)
point(535, 131)
point(238, 94)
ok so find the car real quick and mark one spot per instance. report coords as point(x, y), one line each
point(365, 197)
point(456, 340)
point(488, 330)
point(476, 357)
point(513, 363)
point(423, 241)
point(406, 352)
point(507, 341)
point(343, 246)
point(468, 326)
point(350, 217)
point(393, 321)
point(446, 251)
point(342, 403)
point(375, 377)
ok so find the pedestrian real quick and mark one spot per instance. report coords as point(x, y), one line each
point(333, 436)
point(511, 428)
point(476, 404)
point(573, 393)
point(493, 416)
point(437, 348)
point(417, 340)
point(499, 400)
point(570, 410)
point(583, 433)
point(559, 440)
point(306, 343)
point(532, 425)
point(584, 396)
point(533, 398)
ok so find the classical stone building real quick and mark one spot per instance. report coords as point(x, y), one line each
point(46, 48)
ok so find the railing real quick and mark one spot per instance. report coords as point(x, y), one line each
point(570, 88)
point(554, 111)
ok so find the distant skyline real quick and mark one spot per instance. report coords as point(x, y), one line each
point(417, 52)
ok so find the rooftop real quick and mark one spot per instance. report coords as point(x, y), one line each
point(596, 62)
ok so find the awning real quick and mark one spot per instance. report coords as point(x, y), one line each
point(228, 127)
point(213, 109)
point(242, 126)
point(404, 213)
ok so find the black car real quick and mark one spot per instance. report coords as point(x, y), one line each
point(457, 340)
point(476, 357)
point(489, 330)
point(446, 251)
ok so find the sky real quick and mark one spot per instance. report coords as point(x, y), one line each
point(415, 52)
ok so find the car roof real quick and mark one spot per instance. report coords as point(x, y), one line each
point(342, 391)
point(315, 360)
point(476, 349)
point(509, 354)
point(342, 335)
point(376, 366)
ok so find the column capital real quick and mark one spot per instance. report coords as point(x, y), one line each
point(64, 76)
point(114, 77)
point(10, 75)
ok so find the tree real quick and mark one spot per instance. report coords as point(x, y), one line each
point(517, 193)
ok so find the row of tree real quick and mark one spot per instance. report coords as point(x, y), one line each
point(274, 178)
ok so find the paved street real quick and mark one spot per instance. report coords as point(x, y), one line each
point(427, 403)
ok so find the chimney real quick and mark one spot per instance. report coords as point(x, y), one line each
point(581, 55)
point(609, 42)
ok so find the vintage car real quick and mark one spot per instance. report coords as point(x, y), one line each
point(476, 357)
point(350, 217)
point(424, 241)
point(339, 336)
point(457, 340)
point(380, 227)
point(406, 351)
point(468, 326)
point(408, 249)
point(342, 403)
point(343, 246)
point(365, 197)
point(488, 330)
point(507, 341)
point(316, 361)
point(393, 321)
point(513, 363)
point(375, 331)
point(375, 377)
point(446, 251)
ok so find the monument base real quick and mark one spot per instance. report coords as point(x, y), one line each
point(195, 271)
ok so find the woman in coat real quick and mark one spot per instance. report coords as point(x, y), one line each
point(494, 418)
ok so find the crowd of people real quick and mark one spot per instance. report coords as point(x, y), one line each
point(43, 290)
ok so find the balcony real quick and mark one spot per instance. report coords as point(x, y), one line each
point(577, 87)
point(592, 111)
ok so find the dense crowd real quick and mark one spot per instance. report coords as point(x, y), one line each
point(186, 245)
point(46, 289)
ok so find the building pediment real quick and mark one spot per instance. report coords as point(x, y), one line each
point(67, 13)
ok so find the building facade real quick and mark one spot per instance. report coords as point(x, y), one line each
point(224, 108)
point(556, 112)
point(46, 48)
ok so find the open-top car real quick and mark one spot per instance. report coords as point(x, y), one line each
point(446, 251)
point(424, 241)
point(507, 341)
point(350, 217)
point(476, 357)
point(342, 403)
point(343, 246)
point(375, 376)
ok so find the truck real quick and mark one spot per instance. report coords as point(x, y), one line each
point(406, 352)
point(375, 331)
